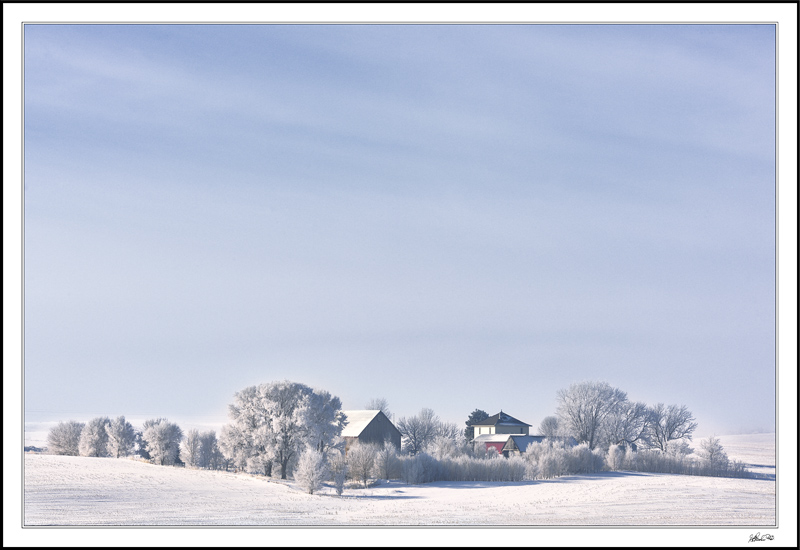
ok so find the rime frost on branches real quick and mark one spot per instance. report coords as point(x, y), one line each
point(162, 439)
point(311, 470)
point(94, 438)
point(361, 459)
point(121, 437)
point(273, 423)
point(338, 470)
point(64, 438)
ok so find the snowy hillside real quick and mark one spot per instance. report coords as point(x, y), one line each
point(61, 490)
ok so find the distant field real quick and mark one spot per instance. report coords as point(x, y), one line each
point(103, 491)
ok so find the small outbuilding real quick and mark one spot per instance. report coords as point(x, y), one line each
point(518, 444)
point(368, 426)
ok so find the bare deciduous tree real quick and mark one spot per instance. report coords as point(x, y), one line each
point(584, 407)
point(670, 423)
point(190, 449)
point(361, 461)
point(713, 454)
point(629, 424)
point(550, 427)
point(379, 404)
point(419, 430)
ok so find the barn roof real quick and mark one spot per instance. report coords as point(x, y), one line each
point(357, 421)
point(502, 419)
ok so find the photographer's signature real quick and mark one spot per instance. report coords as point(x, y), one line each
point(759, 538)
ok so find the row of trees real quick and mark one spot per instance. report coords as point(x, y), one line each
point(600, 415)
point(297, 428)
point(159, 441)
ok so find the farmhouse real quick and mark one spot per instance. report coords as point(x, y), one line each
point(501, 423)
point(369, 426)
point(503, 434)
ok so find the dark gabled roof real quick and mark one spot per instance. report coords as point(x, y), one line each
point(500, 418)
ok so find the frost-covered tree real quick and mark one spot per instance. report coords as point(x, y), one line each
point(162, 439)
point(419, 430)
point(248, 442)
point(550, 427)
point(209, 453)
point(668, 423)
point(190, 449)
point(323, 420)
point(713, 454)
point(64, 438)
point(121, 437)
point(139, 445)
point(311, 470)
point(387, 462)
point(361, 461)
point(629, 423)
point(379, 404)
point(584, 408)
point(474, 417)
point(94, 438)
point(274, 422)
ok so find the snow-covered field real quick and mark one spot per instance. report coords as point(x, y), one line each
point(62, 490)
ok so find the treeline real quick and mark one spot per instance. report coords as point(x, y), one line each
point(158, 441)
point(600, 415)
point(292, 430)
point(546, 460)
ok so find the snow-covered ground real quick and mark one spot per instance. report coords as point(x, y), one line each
point(63, 490)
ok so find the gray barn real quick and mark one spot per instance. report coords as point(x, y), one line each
point(369, 427)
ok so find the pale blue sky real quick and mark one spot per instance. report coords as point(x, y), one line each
point(453, 217)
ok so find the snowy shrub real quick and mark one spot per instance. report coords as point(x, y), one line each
point(64, 438)
point(311, 470)
point(515, 469)
point(412, 472)
point(443, 447)
point(338, 471)
point(549, 466)
point(531, 468)
point(679, 448)
point(431, 470)
point(94, 438)
point(615, 457)
point(337, 465)
point(387, 462)
point(361, 461)
point(121, 437)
